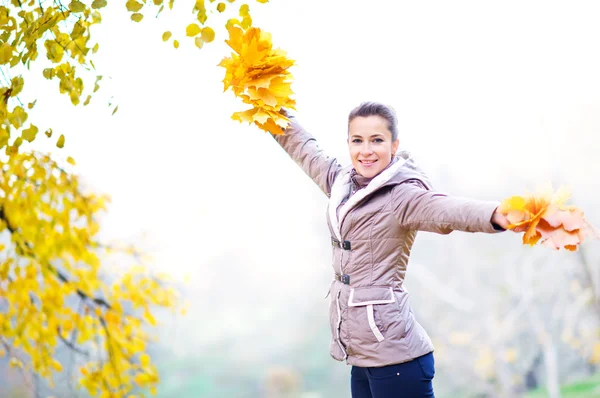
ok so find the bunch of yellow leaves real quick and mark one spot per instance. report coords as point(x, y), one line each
point(258, 74)
point(545, 217)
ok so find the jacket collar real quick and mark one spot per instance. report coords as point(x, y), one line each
point(341, 189)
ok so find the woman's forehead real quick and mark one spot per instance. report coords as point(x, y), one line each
point(369, 126)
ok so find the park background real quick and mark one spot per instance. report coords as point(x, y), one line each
point(492, 98)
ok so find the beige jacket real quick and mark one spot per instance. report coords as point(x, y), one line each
point(372, 323)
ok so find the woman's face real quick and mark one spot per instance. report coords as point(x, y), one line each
point(370, 144)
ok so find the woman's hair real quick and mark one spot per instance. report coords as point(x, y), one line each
point(376, 109)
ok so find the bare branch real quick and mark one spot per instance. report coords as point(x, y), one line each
point(71, 345)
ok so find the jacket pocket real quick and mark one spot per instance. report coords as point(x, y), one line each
point(336, 349)
point(366, 301)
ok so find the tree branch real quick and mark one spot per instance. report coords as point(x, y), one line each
point(71, 345)
point(111, 354)
point(62, 277)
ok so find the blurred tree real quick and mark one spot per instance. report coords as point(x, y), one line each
point(53, 290)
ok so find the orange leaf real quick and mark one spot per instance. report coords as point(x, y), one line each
point(571, 218)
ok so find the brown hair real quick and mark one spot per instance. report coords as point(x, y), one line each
point(366, 109)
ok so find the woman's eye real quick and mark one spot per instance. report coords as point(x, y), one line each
point(378, 140)
point(356, 141)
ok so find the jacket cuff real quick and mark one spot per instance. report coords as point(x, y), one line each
point(494, 225)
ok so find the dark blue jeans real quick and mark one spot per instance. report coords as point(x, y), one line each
point(412, 379)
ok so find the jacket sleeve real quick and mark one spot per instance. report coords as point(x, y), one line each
point(303, 149)
point(417, 208)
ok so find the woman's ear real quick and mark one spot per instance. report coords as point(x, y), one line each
point(395, 145)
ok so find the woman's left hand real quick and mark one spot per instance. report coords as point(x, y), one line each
point(501, 220)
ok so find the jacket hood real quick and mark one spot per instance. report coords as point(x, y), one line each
point(402, 169)
point(410, 170)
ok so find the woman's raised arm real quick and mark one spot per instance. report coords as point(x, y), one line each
point(303, 148)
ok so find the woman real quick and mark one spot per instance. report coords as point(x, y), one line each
point(376, 207)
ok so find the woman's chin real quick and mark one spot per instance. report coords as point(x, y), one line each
point(367, 172)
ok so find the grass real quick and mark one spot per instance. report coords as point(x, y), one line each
point(585, 388)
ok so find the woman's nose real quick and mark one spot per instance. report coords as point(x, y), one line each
point(366, 149)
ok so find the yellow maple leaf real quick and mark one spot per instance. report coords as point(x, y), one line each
point(258, 75)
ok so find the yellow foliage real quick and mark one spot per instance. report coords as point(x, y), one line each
point(55, 260)
point(259, 76)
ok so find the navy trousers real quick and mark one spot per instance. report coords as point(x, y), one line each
point(412, 379)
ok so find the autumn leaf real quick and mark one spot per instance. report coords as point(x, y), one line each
point(77, 6)
point(192, 30)
point(61, 141)
point(29, 133)
point(208, 35)
point(6, 52)
point(137, 17)
point(545, 218)
point(96, 4)
point(259, 76)
point(133, 5)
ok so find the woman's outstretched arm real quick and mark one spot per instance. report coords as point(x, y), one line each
point(418, 208)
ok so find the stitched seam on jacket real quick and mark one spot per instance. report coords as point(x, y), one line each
point(377, 218)
point(313, 159)
point(450, 225)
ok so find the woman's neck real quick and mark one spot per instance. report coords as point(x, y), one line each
point(361, 181)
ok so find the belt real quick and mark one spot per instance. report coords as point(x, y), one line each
point(345, 279)
point(346, 245)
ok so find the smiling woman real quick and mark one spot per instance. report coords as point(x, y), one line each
point(372, 138)
point(376, 207)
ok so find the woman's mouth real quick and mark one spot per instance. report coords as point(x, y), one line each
point(367, 163)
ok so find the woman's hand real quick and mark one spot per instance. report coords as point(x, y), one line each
point(501, 220)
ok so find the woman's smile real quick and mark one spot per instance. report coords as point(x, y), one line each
point(367, 163)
